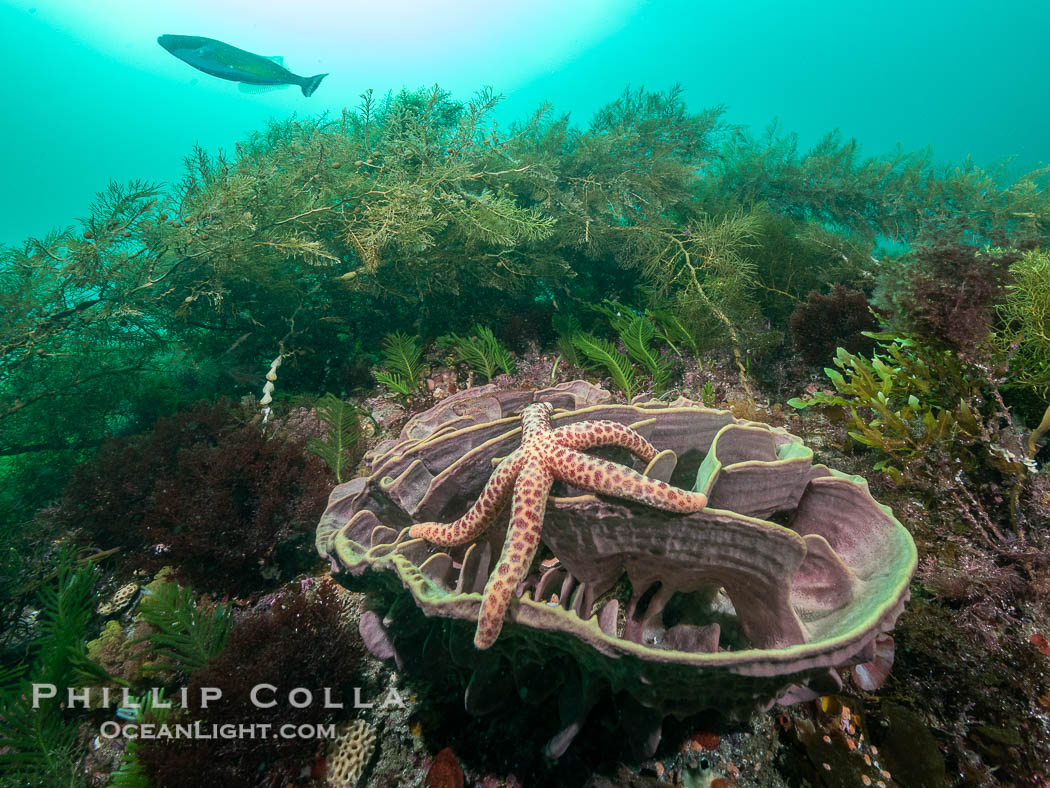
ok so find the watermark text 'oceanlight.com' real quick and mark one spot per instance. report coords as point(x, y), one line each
point(112, 729)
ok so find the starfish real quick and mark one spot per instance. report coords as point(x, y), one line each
point(547, 454)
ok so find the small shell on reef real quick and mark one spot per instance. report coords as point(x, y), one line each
point(119, 600)
point(266, 399)
point(271, 375)
point(268, 387)
point(349, 753)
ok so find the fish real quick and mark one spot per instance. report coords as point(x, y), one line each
point(254, 72)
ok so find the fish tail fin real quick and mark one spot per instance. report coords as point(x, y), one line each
point(310, 84)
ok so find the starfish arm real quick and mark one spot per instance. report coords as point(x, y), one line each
point(523, 539)
point(589, 434)
point(610, 478)
point(535, 419)
point(493, 498)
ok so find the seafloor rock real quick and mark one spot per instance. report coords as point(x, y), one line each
point(791, 571)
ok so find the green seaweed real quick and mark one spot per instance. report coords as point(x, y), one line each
point(636, 332)
point(402, 357)
point(314, 235)
point(637, 337)
point(1022, 338)
point(604, 353)
point(900, 194)
point(186, 632)
point(672, 330)
point(905, 402)
point(149, 707)
point(565, 325)
point(482, 352)
point(344, 431)
point(1024, 333)
point(619, 315)
point(707, 394)
point(39, 744)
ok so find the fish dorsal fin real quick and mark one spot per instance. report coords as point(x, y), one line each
point(276, 59)
point(248, 87)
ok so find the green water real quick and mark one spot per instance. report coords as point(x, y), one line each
point(91, 97)
point(272, 295)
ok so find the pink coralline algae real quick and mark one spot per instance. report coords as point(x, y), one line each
point(790, 571)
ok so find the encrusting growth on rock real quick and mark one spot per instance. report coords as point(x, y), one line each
point(546, 455)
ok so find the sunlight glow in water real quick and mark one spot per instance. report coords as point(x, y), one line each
point(391, 41)
point(95, 97)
